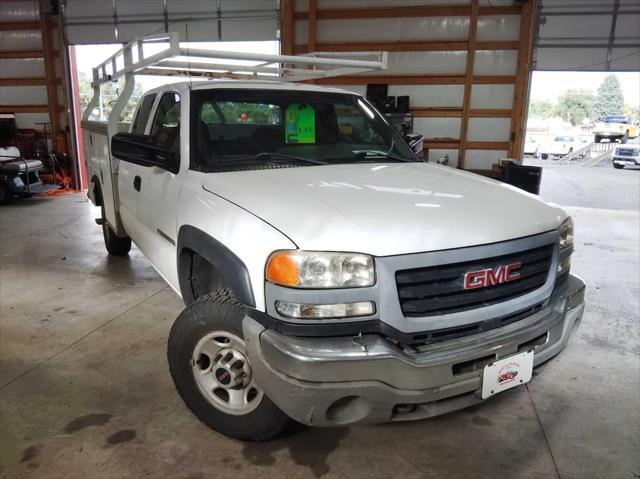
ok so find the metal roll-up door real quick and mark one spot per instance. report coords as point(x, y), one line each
point(119, 21)
point(588, 35)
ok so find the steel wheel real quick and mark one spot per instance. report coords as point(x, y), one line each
point(223, 373)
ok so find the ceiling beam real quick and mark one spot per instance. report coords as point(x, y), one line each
point(25, 54)
point(455, 112)
point(24, 108)
point(468, 81)
point(23, 81)
point(523, 78)
point(416, 11)
point(286, 26)
point(417, 80)
point(18, 26)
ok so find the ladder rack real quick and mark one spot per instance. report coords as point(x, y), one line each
point(176, 60)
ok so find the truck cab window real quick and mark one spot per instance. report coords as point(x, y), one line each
point(166, 124)
point(140, 121)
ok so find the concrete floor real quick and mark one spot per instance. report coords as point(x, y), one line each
point(85, 389)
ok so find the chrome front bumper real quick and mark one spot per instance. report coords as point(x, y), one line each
point(368, 379)
point(626, 160)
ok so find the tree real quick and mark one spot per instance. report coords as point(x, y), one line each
point(541, 108)
point(632, 111)
point(575, 105)
point(609, 99)
point(108, 95)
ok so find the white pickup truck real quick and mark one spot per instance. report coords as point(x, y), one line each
point(329, 276)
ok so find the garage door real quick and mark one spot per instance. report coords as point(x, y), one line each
point(117, 21)
point(588, 35)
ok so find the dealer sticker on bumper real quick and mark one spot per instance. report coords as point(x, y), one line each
point(507, 373)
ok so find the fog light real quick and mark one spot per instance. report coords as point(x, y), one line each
point(325, 311)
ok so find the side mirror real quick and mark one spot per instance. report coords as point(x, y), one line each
point(142, 150)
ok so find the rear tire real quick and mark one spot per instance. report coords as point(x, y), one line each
point(544, 156)
point(597, 139)
point(116, 246)
point(617, 166)
point(195, 364)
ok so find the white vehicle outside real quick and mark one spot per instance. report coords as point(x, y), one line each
point(627, 154)
point(560, 146)
point(329, 276)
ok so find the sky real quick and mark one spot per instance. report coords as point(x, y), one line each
point(550, 85)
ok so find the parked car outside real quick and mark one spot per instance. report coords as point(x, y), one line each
point(615, 127)
point(560, 146)
point(627, 155)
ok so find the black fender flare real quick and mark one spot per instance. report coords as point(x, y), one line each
point(233, 269)
point(96, 188)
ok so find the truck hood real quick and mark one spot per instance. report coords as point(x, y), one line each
point(386, 209)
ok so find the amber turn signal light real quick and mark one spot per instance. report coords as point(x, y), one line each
point(283, 269)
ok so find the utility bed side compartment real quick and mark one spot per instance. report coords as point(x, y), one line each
point(104, 168)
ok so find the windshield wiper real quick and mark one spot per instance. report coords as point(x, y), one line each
point(282, 157)
point(370, 154)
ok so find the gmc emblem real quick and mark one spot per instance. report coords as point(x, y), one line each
point(490, 277)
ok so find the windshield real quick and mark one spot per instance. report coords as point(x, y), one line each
point(616, 119)
point(258, 129)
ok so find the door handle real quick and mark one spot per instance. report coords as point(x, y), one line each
point(137, 183)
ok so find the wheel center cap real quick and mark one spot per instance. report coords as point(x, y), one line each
point(223, 376)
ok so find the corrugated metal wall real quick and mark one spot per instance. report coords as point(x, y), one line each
point(24, 75)
point(119, 21)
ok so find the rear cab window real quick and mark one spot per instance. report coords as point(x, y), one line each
point(166, 124)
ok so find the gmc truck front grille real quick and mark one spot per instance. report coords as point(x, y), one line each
point(627, 152)
point(437, 290)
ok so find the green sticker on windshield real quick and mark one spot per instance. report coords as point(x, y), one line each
point(300, 124)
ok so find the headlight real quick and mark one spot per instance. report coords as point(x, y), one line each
point(566, 245)
point(566, 233)
point(310, 269)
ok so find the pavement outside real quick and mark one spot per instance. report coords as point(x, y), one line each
point(85, 389)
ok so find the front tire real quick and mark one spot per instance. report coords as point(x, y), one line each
point(212, 373)
point(618, 166)
point(597, 139)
